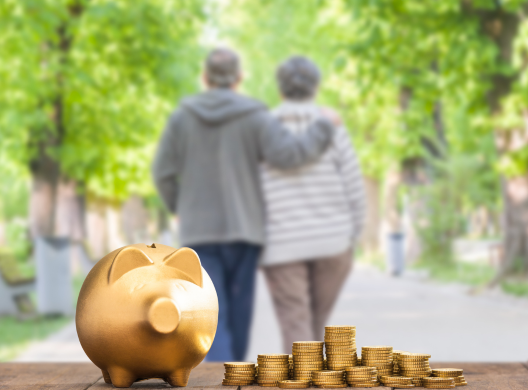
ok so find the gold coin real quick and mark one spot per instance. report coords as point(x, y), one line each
point(239, 378)
point(389, 382)
point(454, 371)
point(233, 370)
point(359, 384)
point(340, 337)
point(340, 327)
point(407, 355)
point(239, 364)
point(274, 372)
point(307, 359)
point(274, 356)
point(293, 384)
point(402, 386)
point(226, 382)
point(329, 383)
point(362, 377)
point(341, 356)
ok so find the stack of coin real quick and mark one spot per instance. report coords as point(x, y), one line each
point(272, 369)
point(340, 345)
point(307, 358)
point(293, 384)
point(396, 361)
point(399, 382)
point(379, 356)
point(414, 365)
point(290, 366)
point(455, 373)
point(362, 376)
point(438, 383)
point(239, 374)
point(329, 379)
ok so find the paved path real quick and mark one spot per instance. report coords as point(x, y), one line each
point(407, 313)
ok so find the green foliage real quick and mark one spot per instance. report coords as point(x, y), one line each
point(15, 335)
point(519, 289)
point(13, 269)
point(116, 68)
point(467, 273)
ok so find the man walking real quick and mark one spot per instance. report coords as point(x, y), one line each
point(207, 170)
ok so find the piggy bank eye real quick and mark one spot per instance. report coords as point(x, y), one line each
point(128, 259)
point(187, 261)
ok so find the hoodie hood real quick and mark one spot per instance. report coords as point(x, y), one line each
point(217, 106)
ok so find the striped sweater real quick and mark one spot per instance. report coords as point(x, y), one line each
point(317, 210)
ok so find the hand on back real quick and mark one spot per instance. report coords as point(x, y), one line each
point(331, 115)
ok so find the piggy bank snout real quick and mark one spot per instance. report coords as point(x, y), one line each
point(164, 315)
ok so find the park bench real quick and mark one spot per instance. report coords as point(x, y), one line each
point(77, 376)
point(14, 288)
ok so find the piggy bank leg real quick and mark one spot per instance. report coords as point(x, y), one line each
point(106, 377)
point(121, 377)
point(178, 378)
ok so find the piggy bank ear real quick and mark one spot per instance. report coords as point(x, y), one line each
point(187, 261)
point(126, 260)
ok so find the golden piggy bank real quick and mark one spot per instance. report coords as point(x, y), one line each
point(147, 311)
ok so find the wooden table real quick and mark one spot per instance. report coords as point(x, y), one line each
point(81, 376)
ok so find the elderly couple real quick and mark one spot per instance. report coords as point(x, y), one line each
point(282, 190)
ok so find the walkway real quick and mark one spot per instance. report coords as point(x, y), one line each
point(407, 313)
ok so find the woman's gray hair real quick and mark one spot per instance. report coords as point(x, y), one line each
point(222, 68)
point(298, 78)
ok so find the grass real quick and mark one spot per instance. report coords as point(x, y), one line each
point(466, 273)
point(16, 334)
point(517, 288)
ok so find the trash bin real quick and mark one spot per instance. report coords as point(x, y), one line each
point(395, 256)
point(54, 282)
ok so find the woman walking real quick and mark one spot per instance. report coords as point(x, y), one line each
point(314, 215)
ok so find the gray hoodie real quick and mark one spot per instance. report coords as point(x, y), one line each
point(207, 165)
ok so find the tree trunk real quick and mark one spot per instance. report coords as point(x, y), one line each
point(502, 27)
point(371, 231)
point(96, 228)
point(392, 212)
point(515, 224)
point(46, 171)
point(43, 198)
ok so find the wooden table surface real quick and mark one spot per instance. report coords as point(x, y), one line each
point(81, 376)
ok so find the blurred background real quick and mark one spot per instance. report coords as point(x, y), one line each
point(435, 95)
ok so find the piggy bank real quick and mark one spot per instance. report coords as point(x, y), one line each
point(147, 311)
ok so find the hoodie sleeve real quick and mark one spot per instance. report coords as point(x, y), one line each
point(282, 149)
point(166, 165)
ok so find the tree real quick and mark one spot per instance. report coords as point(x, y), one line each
point(86, 88)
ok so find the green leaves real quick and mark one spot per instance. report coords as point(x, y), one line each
point(117, 67)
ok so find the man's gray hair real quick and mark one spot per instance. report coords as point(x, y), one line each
point(298, 78)
point(222, 68)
